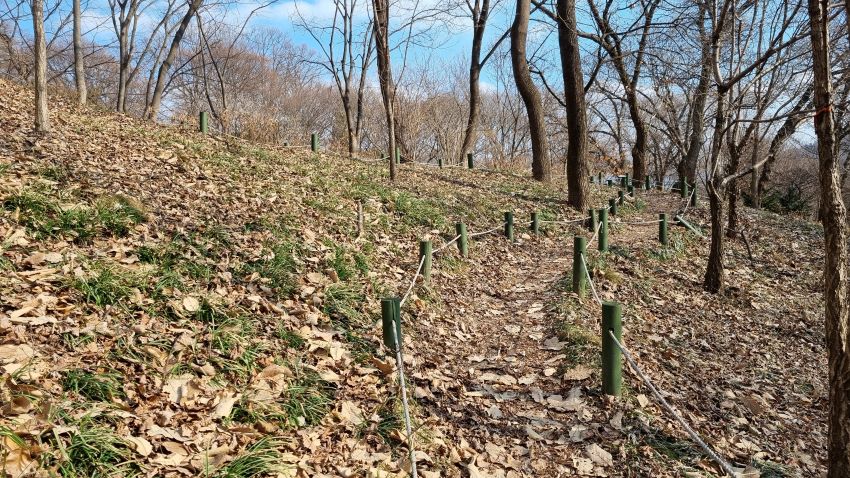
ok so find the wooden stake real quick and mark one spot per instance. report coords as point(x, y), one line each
point(314, 142)
point(425, 249)
point(612, 363)
point(603, 230)
point(203, 123)
point(535, 222)
point(509, 225)
point(390, 315)
point(469, 160)
point(591, 223)
point(462, 243)
point(579, 272)
point(662, 229)
point(612, 206)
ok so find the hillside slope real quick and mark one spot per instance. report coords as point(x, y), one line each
point(182, 305)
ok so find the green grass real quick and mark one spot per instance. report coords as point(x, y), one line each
point(236, 352)
point(263, 458)
point(105, 285)
point(342, 303)
point(306, 400)
point(95, 451)
point(278, 267)
point(290, 339)
point(581, 348)
point(99, 387)
point(111, 215)
point(419, 212)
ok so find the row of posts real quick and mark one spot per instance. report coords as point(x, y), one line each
point(627, 183)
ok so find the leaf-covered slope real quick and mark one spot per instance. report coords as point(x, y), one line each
point(182, 305)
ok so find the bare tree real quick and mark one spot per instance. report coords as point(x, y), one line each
point(577, 169)
point(615, 44)
point(79, 59)
point(42, 118)
point(348, 67)
point(153, 109)
point(385, 74)
point(528, 91)
point(833, 217)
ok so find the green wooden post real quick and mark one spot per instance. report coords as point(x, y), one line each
point(469, 160)
point(440, 162)
point(391, 316)
point(590, 178)
point(662, 229)
point(314, 142)
point(694, 196)
point(610, 183)
point(509, 225)
point(591, 223)
point(646, 183)
point(621, 198)
point(579, 272)
point(603, 230)
point(612, 362)
point(425, 249)
point(660, 184)
point(631, 190)
point(203, 122)
point(397, 155)
point(683, 188)
point(623, 181)
point(628, 180)
point(462, 243)
point(612, 206)
point(535, 223)
point(599, 178)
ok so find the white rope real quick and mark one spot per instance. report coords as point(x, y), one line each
point(446, 244)
point(595, 234)
point(400, 364)
point(487, 231)
point(641, 223)
point(694, 436)
point(590, 280)
point(413, 282)
point(564, 222)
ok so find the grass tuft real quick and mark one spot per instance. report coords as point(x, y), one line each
point(99, 387)
point(95, 451)
point(263, 458)
point(106, 285)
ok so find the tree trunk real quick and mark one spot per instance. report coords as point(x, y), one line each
point(833, 217)
point(479, 22)
point(42, 118)
point(528, 91)
point(688, 167)
point(639, 148)
point(788, 128)
point(385, 74)
point(732, 193)
point(79, 60)
point(577, 169)
point(714, 274)
point(169, 58)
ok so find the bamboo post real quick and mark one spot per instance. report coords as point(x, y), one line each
point(535, 223)
point(591, 223)
point(314, 142)
point(462, 243)
point(390, 316)
point(662, 229)
point(425, 249)
point(579, 272)
point(203, 122)
point(603, 230)
point(612, 363)
point(509, 225)
point(469, 160)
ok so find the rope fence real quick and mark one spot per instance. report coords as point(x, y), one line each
point(612, 346)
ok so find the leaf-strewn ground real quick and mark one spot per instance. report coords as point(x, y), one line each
point(180, 305)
